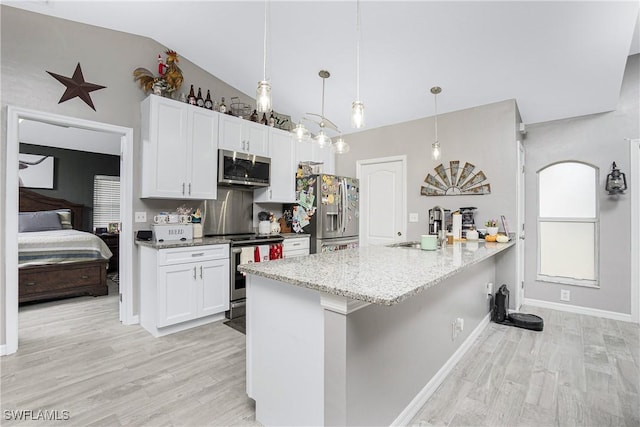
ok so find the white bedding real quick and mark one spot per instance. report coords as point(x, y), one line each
point(60, 246)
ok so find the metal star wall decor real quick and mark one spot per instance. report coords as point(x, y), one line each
point(76, 86)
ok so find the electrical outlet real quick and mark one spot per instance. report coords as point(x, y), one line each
point(565, 295)
point(413, 217)
point(457, 326)
point(489, 290)
point(141, 217)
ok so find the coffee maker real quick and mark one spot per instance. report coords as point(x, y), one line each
point(436, 222)
point(468, 222)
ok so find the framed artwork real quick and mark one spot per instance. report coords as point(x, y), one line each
point(114, 227)
point(35, 171)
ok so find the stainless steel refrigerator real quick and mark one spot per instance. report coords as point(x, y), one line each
point(334, 202)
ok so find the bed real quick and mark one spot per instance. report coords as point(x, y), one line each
point(57, 263)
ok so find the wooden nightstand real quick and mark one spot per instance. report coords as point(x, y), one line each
point(113, 242)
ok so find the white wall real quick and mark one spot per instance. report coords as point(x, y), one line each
point(599, 140)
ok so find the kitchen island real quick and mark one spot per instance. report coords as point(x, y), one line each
point(362, 336)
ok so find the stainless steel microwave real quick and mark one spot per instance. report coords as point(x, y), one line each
point(237, 168)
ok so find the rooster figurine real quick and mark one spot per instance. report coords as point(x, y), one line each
point(170, 78)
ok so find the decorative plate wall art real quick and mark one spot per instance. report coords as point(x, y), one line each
point(455, 181)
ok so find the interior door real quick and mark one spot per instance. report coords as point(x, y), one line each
point(382, 200)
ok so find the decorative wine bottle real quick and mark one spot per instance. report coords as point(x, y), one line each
point(272, 120)
point(199, 99)
point(222, 108)
point(208, 103)
point(264, 120)
point(192, 97)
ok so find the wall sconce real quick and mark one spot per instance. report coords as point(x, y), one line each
point(616, 181)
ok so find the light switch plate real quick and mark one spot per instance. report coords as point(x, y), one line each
point(141, 217)
point(413, 217)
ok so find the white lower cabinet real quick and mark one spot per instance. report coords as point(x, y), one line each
point(183, 287)
point(295, 247)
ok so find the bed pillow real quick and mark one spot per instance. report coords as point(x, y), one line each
point(39, 221)
point(65, 218)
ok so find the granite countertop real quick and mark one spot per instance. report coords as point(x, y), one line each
point(376, 274)
point(183, 244)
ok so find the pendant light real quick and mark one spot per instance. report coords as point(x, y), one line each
point(435, 147)
point(301, 134)
point(322, 138)
point(357, 107)
point(341, 146)
point(263, 92)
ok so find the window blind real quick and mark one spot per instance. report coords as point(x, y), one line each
point(106, 200)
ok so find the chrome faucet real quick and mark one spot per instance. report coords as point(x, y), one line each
point(442, 236)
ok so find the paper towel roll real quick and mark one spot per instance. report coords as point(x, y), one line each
point(457, 226)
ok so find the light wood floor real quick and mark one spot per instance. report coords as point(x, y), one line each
point(75, 356)
point(580, 371)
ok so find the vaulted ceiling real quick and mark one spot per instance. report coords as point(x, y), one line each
point(557, 59)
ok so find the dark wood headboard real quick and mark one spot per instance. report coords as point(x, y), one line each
point(31, 201)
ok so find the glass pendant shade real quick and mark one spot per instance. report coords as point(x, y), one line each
point(322, 139)
point(357, 114)
point(301, 133)
point(341, 146)
point(435, 151)
point(263, 97)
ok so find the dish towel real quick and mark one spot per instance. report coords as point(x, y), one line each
point(246, 255)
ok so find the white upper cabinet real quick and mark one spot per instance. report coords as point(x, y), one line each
point(237, 134)
point(327, 156)
point(179, 150)
point(283, 169)
point(311, 152)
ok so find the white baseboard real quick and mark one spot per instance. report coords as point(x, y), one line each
point(421, 398)
point(3, 350)
point(579, 310)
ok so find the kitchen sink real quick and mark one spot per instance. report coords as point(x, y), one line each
point(411, 245)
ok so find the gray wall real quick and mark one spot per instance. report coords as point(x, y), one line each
point(484, 136)
point(73, 173)
point(32, 43)
point(598, 140)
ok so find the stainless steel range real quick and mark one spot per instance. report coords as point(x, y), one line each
point(231, 217)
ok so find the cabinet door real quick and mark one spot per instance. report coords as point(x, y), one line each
point(166, 164)
point(283, 170)
point(304, 152)
point(230, 133)
point(215, 279)
point(326, 156)
point(203, 167)
point(256, 137)
point(177, 299)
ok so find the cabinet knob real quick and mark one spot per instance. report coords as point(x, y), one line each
point(84, 276)
point(194, 272)
point(201, 272)
point(31, 283)
point(183, 188)
point(189, 188)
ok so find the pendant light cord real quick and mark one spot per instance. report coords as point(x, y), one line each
point(322, 122)
point(357, 50)
point(435, 100)
point(264, 62)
